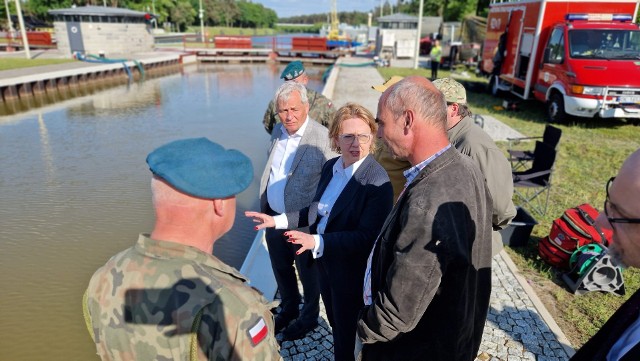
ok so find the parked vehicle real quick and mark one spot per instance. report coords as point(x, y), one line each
point(580, 57)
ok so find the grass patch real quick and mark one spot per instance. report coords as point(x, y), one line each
point(17, 63)
point(590, 151)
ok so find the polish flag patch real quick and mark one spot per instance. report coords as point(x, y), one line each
point(258, 332)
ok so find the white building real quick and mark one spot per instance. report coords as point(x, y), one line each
point(97, 29)
point(399, 33)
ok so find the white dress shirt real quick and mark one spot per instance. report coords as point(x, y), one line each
point(339, 180)
point(284, 153)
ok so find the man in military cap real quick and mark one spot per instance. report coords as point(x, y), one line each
point(168, 297)
point(320, 107)
point(471, 140)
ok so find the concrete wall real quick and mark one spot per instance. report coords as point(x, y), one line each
point(110, 38)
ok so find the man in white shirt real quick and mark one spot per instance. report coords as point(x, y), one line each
point(299, 148)
point(619, 338)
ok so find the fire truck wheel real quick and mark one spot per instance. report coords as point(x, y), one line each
point(555, 108)
point(493, 86)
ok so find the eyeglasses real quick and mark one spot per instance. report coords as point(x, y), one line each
point(349, 138)
point(606, 203)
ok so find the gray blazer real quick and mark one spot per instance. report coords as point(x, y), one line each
point(314, 150)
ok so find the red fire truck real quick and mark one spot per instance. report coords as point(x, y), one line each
point(581, 57)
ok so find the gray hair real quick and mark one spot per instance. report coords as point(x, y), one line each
point(284, 92)
point(428, 104)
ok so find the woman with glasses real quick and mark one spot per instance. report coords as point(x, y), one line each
point(352, 200)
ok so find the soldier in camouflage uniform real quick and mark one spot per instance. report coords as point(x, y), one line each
point(168, 297)
point(320, 107)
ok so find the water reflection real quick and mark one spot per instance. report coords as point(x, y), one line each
point(64, 91)
point(74, 188)
point(47, 155)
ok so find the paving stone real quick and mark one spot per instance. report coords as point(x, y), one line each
point(514, 345)
point(313, 353)
point(502, 354)
point(548, 351)
point(534, 349)
point(299, 357)
point(490, 345)
point(328, 354)
point(328, 345)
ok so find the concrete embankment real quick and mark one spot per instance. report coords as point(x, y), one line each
point(25, 83)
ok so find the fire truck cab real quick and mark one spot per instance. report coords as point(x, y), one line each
point(580, 58)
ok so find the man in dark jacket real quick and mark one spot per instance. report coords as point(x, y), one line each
point(619, 338)
point(428, 278)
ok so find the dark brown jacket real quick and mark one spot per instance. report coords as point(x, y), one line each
point(431, 268)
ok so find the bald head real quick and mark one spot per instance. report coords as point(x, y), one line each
point(420, 95)
point(412, 118)
point(624, 203)
point(631, 170)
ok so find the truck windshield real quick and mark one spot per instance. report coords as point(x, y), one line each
point(604, 44)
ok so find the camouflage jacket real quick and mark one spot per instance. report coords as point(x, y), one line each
point(320, 109)
point(165, 301)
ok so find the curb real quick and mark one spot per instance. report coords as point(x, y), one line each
point(546, 316)
point(330, 85)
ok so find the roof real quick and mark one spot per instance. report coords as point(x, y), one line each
point(398, 18)
point(97, 11)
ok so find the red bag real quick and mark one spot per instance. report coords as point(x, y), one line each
point(575, 228)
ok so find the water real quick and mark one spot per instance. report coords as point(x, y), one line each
point(74, 190)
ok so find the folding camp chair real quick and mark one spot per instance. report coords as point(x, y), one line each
point(519, 158)
point(529, 184)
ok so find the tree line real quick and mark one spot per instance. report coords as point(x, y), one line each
point(247, 14)
point(449, 10)
point(182, 13)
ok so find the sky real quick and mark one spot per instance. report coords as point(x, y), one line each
point(288, 8)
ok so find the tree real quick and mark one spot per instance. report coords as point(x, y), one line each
point(254, 15)
point(449, 10)
point(221, 12)
point(40, 8)
point(183, 15)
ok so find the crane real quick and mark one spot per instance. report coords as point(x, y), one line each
point(334, 32)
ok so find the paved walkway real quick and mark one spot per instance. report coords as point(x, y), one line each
point(516, 329)
point(518, 326)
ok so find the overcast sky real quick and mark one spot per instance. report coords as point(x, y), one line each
point(287, 8)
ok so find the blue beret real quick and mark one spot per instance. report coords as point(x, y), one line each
point(201, 168)
point(293, 70)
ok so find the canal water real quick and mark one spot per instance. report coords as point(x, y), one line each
point(74, 190)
